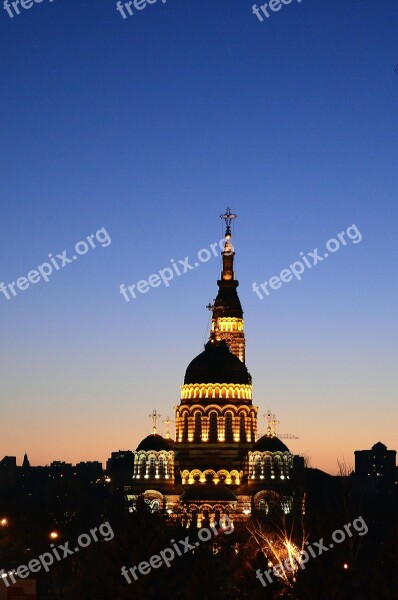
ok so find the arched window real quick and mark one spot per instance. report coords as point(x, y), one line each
point(288, 465)
point(257, 467)
point(198, 427)
point(152, 467)
point(162, 472)
point(217, 516)
point(213, 428)
point(185, 431)
point(268, 467)
point(142, 468)
point(229, 436)
point(242, 428)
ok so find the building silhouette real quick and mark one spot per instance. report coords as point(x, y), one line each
point(376, 463)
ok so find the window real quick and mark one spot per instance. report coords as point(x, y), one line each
point(228, 428)
point(185, 432)
point(198, 427)
point(242, 428)
point(213, 427)
point(257, 467)
point(268, 467)
point(152, 467)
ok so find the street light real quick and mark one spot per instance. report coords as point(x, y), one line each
point(4, 522)
point(54, 535)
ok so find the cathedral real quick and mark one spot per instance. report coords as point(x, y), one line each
point(216, 464)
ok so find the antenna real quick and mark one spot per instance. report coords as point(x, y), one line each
point(272, 423)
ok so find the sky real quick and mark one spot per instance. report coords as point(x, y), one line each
point(147, 128)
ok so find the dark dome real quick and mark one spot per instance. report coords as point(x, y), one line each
point(270, 444)
point(228, 299)
point(208, 491)
point(155, 442)
point(216, 364)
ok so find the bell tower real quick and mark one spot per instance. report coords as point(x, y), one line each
point(227, 320)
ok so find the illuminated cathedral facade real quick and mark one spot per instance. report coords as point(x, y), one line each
point(216, 464)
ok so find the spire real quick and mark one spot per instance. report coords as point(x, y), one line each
point(227, 318)
point(227, 273)
point(26, 462)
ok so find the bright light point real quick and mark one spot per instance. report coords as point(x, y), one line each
point(4, 522)
point(345, 566)
point(54, 535)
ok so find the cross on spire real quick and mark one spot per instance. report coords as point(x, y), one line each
point(271, 423)
point(216, 307)
point(168, 422)
point(154, 416)
point(217, 311)
point(228, 217)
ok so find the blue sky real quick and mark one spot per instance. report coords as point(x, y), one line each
point(150, 127)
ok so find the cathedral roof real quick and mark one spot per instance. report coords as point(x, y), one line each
point(216, 364)
point(208, 491)
point(155, 442)
point(270, 443)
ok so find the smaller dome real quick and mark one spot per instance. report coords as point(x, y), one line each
point(208, 491)
point(155, 442)
point(269, 443)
